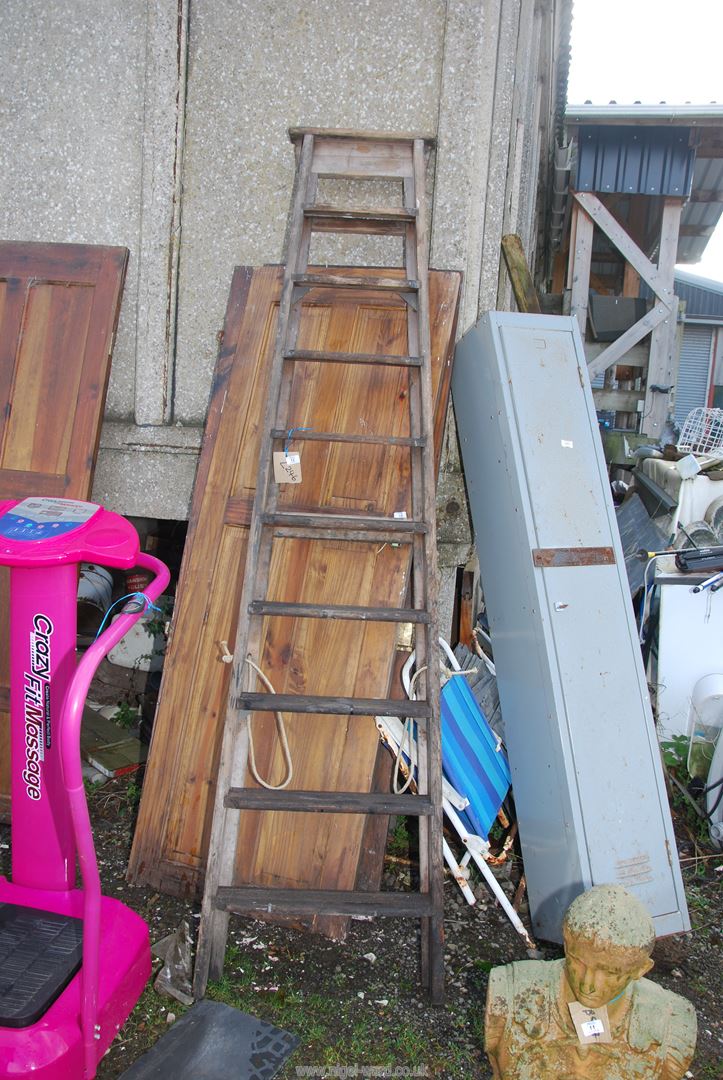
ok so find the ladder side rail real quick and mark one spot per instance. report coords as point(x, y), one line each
point(290, 310)
point(280, 389)
point(213, 928)
point(297, 259)
point(220, 895)
point(416, 429)
point(415, 314)
point(297, 263)
point(432, 827)
point(429, 583)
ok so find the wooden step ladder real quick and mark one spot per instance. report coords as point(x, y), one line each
point(342, 155)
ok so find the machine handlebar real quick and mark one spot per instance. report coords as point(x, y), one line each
point(73, 779)
point(80, 683)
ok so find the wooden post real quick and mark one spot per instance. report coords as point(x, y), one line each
point(662, 312)
point(660, 364)
point(580, 263)
point(631, 281)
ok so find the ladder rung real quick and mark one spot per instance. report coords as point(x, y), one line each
point(361, 523)
point(354, 213)
point(329, 802)
point(353, 358)
point(322, 902)
point(361, 537)
point(340, 437)
point(393, 221)
point(331, 706)
point(338, 611)
point(368, 281)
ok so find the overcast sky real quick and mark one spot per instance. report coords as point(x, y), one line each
point(650, 51)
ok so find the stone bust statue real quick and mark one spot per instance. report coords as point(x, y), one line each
point(591, 1015)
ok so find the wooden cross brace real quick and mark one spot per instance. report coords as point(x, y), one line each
point(589, 211)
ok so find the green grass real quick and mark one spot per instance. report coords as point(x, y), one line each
point(149, 1022)
point(125, 715)
point(340, 1028)
point(707, 1072)
point(398, 841)
point(688, 808)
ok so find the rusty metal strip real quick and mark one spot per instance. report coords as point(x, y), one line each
point(576, 556)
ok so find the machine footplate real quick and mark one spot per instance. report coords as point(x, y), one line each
point(40, 953)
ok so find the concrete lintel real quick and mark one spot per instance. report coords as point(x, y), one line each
point(181, 438)
point(157, 483)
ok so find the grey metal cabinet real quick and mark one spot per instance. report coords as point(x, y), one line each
point(587, 776)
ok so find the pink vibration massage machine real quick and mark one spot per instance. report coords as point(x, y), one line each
point(61, 1005)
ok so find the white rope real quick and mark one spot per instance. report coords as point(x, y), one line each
point(466, 674)
point(281, 730)
point(407, 736)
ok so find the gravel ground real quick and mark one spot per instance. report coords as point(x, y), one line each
point(359, 1002)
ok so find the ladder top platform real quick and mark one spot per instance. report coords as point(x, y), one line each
point(296, 134)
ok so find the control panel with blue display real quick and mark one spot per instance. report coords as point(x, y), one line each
point(45, 519)
point(40, 531)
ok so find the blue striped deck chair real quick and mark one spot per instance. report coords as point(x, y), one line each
point(475, 781)
point(472, 756)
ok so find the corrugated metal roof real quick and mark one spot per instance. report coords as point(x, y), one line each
point(703, 209)
point(703, 298)
point(690, 115)
point(635, 160)
point(562, 38)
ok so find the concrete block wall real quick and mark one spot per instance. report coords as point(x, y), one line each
point(162, 125)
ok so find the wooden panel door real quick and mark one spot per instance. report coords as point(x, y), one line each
point(59, 307)
point(299, 655)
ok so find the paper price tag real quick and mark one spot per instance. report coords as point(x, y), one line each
point(287, 468)
point(591, 1025)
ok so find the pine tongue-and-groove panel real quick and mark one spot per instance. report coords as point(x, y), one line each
point(59, 307)
point(298, 655)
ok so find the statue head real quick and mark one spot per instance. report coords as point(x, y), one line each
point(608, 937)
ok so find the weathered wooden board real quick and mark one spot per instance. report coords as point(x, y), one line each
point(59, 307)
point(299, 655)
point(523, 286)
